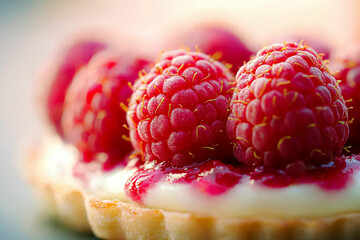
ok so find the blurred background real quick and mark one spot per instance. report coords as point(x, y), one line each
point(33, 33)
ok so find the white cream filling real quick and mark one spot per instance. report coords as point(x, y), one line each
point(246, 199)
point(56, 161)
point(110, 184)
point(56, 166)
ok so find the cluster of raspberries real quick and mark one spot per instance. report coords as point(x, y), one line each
point(283, 109)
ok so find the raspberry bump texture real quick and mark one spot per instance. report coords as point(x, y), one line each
point(179, 109)
point(218, 41)
point(349, 75)
point(75, 57)
point(320, 45)
point(287, 108)
point(96, 104)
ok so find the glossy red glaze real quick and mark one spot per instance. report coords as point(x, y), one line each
point(214, 177)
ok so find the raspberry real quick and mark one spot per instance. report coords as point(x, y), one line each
point(320, 46)
point(217, 41)
point(349, 75)
point(287, 108)
point(94, 111)
point(74, 58)
point(178, 111)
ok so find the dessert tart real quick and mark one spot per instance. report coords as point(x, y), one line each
point(319, 208)
point(211, 158)
point(55, 188)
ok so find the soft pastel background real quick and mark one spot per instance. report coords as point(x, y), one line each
point(33, 32)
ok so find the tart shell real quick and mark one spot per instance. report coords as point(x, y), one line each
point(59, 201)
point(114, 219)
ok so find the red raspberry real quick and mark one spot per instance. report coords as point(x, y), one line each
point(349, 75)
point(217, 41)
point(179, 109)
point(74, 58)
point(95, 104)
point(320, 46)
point(287, 108)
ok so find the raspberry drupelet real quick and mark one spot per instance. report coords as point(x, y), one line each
point(349, 75)
point(218, 41)
point(320, 45)
point(75, 57)
point(287, 109)
point(179, 109)
point(96, 104)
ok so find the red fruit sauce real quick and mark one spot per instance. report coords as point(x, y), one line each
point(214, 177)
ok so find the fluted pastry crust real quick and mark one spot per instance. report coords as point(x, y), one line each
point(112, 219)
